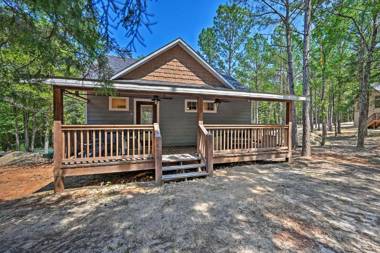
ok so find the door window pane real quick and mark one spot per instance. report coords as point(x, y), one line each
point(146, 114)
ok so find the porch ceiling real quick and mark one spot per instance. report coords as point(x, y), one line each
point(171, 89)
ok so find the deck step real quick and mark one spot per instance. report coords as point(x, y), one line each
point(179, 158)
point(183, 167)
point(183, 175)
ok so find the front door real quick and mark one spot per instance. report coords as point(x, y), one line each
point(146, 112)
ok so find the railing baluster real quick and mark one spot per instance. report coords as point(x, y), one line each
point(105, 144)
point(111, 143)
point(100, 143)
point(122, 143)
point(117, 143)
point(75, 144)
point(143, 146)
point(68, 145)
point(128, 144)
point(93, 144)
point(81, 144)
point(133, 143)
point(64, 145)
point(88, 143)
point(149, 133)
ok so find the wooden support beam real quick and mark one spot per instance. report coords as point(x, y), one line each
point(289, 116)
point(157, 153)
point(58, 104)
point(199, 109)
point(210, 154)
point(57, 138)
point(59, 185)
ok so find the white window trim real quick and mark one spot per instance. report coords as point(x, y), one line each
point(148, 100)
point(118, 109)
point(204, 101)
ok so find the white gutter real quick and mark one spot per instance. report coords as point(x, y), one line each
point(73, 83)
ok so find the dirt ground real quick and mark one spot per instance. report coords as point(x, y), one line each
point(328, 203)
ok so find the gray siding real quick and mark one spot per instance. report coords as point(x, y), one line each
point(98, 113)
point(178, 127)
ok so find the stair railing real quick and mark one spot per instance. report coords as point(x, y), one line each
point(206, 147)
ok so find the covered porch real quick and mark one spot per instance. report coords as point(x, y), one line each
point(110, 148)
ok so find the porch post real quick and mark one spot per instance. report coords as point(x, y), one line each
point(57, 138)
point(157, 151)
point(199, 119)
point(289, 116)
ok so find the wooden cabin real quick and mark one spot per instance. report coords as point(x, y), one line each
point(172, 113)
point(373, 107)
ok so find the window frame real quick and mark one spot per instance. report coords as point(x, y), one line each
point(204, 101)
point(110, 108)
point(377, 100)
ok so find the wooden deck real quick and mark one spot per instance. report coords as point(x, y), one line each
point(97, 149)
point(88, 146)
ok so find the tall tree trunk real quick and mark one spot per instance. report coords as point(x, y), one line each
point(317, 115)
point(46, 138)
point(339, 121)
point(324, 131)
point(17, 131)
point(291, 81)
point(311, 111)
point(363, 96)
point(26, 131)
point(34, 132)
point(323, 100)
point(306, 146)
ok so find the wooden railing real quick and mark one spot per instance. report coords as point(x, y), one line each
point(374, 116)
point(106, 142)
point(157, 153)
point(230, 138)
point(205, 147)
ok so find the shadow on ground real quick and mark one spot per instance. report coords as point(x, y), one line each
point(330, 203)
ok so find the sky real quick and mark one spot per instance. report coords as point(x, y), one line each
point(173, 19)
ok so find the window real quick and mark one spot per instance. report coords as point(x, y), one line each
point(377, 101)
point(118, 104)
point(208, 106)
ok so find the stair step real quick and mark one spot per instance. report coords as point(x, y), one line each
point(179, 158)
point(183, 175)
point(183, 167)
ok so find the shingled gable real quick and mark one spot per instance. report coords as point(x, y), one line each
point(176, 63)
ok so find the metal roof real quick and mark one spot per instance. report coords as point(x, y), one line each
point(171, 89)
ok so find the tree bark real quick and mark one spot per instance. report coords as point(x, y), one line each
point(26, 131)
point(17, 131)
point(46, 138)
point(34, 132)
point(330, 111)
point(363, 96)
point(339, 124)
point(306, 146)
point(324, 131)
point(311, 111)
point(323, 102)
point(291, 81)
